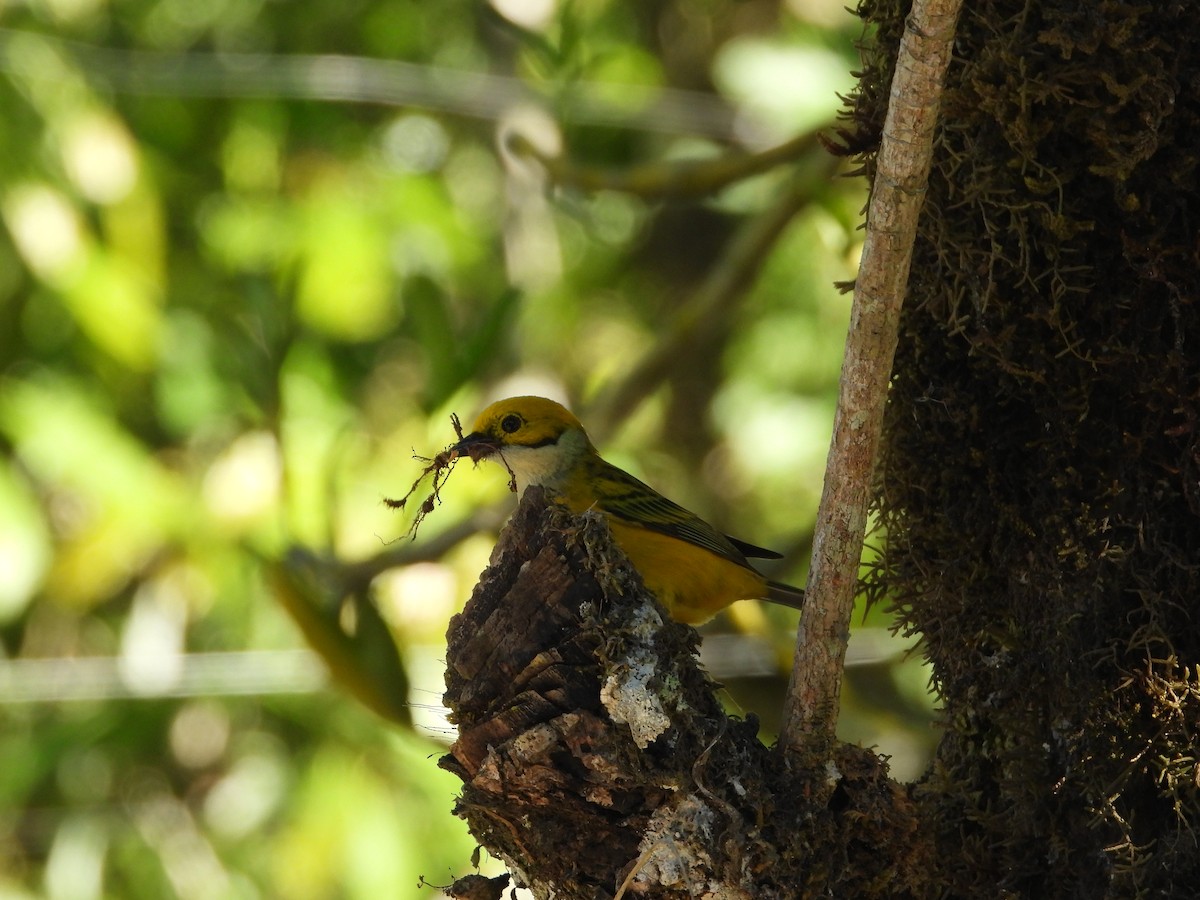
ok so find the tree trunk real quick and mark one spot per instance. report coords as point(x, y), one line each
point(1040, 490)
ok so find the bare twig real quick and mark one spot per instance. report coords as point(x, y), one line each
point(671, 180)
point(810, 713)
point(489, 518)
point(709, 308)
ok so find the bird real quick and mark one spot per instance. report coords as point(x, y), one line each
point(693, 569)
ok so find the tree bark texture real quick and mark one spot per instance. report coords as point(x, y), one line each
point(897, 195)
point(1040, 477)
point(595, 757)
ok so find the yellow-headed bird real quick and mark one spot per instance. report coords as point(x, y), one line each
point(693, 569)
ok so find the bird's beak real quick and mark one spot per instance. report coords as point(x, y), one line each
point(476, 445)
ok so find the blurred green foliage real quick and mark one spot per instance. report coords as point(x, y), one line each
point(251, 257)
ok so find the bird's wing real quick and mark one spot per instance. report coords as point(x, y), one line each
point(624, 497)
point(753, 550)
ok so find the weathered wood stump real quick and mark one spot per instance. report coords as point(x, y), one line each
point(595, 755)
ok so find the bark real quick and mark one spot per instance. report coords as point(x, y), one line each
point(596, 759)
point(897, 195)
point(1039, 483)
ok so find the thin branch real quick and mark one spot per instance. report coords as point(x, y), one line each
point(905, 154)
point(709, 307)
point(356, 576)
point(355, 79)
point(670, 180)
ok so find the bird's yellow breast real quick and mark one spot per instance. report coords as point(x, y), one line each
point(691, 582)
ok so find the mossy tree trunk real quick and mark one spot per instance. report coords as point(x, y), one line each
point(1041, 473)
point(1039, 488)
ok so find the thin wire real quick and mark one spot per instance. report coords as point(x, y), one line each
point(252, 672)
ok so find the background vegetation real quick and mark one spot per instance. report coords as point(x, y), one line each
point(252, 255)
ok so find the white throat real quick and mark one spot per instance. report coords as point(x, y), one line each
point(548, 466)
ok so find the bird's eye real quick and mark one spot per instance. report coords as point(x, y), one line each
point(510, 423)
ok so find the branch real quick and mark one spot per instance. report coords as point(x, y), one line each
point(709, 308)
point(810, 714)
point(663, 180)
point(357, 576)
point(357, 79)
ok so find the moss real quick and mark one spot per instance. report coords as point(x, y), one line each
point(1039, 483)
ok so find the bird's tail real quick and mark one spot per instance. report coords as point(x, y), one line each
point(785, 594)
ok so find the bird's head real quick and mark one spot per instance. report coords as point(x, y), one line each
point(539, 440)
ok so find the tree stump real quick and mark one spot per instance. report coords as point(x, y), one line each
point(595, 755)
